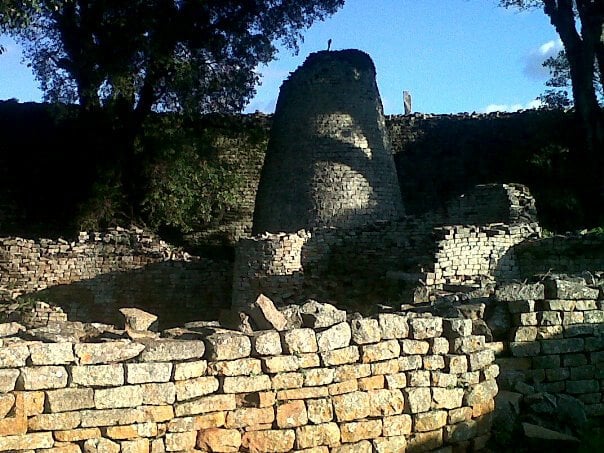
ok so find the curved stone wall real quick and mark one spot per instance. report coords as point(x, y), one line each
point(328, 161)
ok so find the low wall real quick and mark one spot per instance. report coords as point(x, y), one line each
point(94, 276)
point(468, 253)
point(556, 340)
point(394, 383)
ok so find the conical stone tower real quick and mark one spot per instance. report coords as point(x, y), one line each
point(328, 161)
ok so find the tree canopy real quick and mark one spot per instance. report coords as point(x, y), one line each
point(176, 55)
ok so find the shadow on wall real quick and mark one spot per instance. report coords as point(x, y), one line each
point(442, 156)
point(558, 254)
point(176, 292)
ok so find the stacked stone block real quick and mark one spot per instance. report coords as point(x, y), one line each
point(468, 253)
point(391, 383)
point(328, 161)
point(557, 340)
point(100, 272)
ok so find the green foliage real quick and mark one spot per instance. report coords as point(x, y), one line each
point(186, 191)
point(140, 55)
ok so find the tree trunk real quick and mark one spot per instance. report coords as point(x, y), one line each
point(581, 54)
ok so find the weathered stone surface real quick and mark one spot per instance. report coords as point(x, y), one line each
point(196, 387)
point(356, 431)
point(98, 375)
point(287, 381)
point(569, 289)
point(343, 387)
point(265, 315)
point(316, 435)
point(212, 403)
point(188, 370)
point(481, 393)
point(50, 422)
point(385, 402)
point(395, 444)
point(396, 381)
point(318, 376)
point(267, 343)
point(7, 401)
point(101, 445)
point(511, 292)
point(525, 333)
point(166, 350)
point(352, 371)
point(417, 399)
point(26, 442)
point(280, 364)
point(135, 446)
point(372, 383)
point(8, 329)
point(525, 348)
point(237, 367)
point(69, 399)
point(250, 417)
point(466, 345)
point(539, 432)
point(459, 415)
point(51, 353)
point(118, 397)
point(139, 373)
point(181, 441)
point(425, 441)
point(433, 362)
point(269, 441)
point(351, 406)
point(115, 351)
point(365, 330)
point(446, 398)
point(228, 346)
point(481, 359)
point(138, 320)
point(562, 346)
point(422, 328)
point(397, 425)
point(319, 410)
point(42, 378)
point(393, 326)
point(291, 414)
point(317, 315)
point(385, 367)
point(439, 346)
point(440, 379)
point(302, 393)
point(411, 362)
point(335, 337)
point(363, 446)
point(76, 435)
point(245, 384)
point(460, 432)
point(384, 350)
point(456, 327)
point(418, 378)
point(158, 394)
point(299, 341)
point(8, 379)
point(341, 356)
point(412, 347)
point(429, 421)
point(205, 421)
point(13, 355)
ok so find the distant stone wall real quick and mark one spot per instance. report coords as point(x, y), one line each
point(555, 340)
point(290, 268)
point(92, 277)
point(393, 383)
point(571, 254)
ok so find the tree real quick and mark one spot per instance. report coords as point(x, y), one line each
point(135, 57)
point(560, 82)
point(584, 52)
point(185, 55)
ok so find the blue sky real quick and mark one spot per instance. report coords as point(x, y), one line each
point(452, 55)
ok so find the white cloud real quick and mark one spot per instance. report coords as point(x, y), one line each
point(533, 62)
point(534, 104)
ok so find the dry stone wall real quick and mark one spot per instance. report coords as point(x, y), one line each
point(328, 161)
point(92, 277)
point(555, 340)
point(393, 383)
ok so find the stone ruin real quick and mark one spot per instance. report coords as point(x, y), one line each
point(468, 356)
